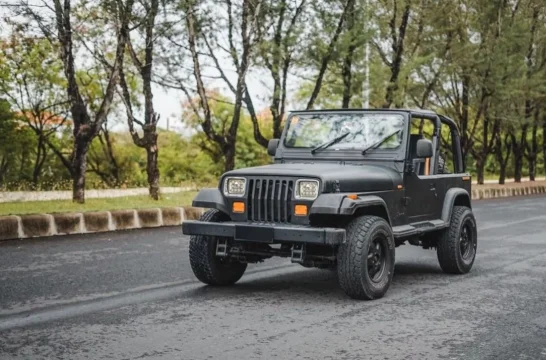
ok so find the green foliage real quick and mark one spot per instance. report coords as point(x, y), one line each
point(211, 156)
point(481, 62)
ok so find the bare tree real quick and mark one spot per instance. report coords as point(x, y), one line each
point(393, 58)
point(346, 71)
point(240, 56)
point(328, 55)
point(278, 55)
point(110, 171)
point(86, 126)
point(148, 140)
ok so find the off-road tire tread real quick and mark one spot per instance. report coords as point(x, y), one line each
point(202, 257)
point(448, 245)
point(350, 254)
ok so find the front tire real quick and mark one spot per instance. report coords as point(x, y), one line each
point(366, 258)
point(206, 266)
point(457, 247)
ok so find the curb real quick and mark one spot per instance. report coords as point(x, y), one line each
point(40, 225)
point(494, 193)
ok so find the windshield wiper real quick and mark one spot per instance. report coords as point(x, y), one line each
point(329, 143)
point(380, 142)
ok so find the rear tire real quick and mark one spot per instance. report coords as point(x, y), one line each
point(206, 266)
point(366, 258)
point(458, 244)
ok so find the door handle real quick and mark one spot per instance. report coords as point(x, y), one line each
point(432, 187)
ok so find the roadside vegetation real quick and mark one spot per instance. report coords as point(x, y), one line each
point(180, 199)
point(77, 79)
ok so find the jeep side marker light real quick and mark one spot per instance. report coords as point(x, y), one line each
point(238, 207)
point(300, 210)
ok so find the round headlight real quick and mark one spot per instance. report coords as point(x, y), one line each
point(234, 186)
point(307, 189)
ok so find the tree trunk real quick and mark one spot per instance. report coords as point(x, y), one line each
point(79, 166)
point(346, 71)
point(518, 166)
point(398, 53)
point(544, 141)
point(465, 136)
point(153, 171)
point(230, 157)
point(480, 168)
point(328, 56)
point(532, 170)
point(347, 78)
point(533, 150)
point(40, 158)
point(502, 174)
point(501, 158)
point(3, 169)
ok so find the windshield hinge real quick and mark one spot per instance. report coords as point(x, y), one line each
point(336, 186)
point(408, 166)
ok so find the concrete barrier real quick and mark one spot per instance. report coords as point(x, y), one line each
point(172, 216)
point(149, 217)
point(24, 226)
point(97, 221)
point(38, 225)
point(9, 227)
point(70, 223)
point(124, 219)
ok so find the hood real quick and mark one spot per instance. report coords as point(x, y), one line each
point(351, 178)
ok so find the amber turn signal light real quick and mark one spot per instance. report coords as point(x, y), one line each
point(352, 196)
point(238, 207)
point(300, 210)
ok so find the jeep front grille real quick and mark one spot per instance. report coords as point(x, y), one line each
point(270, 200)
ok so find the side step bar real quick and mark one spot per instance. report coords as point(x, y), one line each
point(418, 228)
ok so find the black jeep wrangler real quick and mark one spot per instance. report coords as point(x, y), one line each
point(346, 188)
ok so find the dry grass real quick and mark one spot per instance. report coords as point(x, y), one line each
point(63, 206)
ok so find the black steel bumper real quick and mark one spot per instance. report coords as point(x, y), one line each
point(266, 233)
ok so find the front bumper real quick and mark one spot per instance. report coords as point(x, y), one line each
point(266, 233)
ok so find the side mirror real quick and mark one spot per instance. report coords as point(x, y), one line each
point(424, 148)
point(272, 147)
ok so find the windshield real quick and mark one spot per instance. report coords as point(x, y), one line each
point(313, 130)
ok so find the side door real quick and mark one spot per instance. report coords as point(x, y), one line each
point(422, 185)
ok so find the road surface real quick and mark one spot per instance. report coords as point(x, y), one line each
point(131, 295)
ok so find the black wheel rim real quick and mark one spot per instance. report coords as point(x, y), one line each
point(466, 241)
point(377, 258)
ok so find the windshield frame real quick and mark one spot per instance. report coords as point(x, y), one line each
point(331, 153)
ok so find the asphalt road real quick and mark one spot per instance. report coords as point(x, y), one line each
point(131, 295)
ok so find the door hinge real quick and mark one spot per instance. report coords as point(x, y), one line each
point(405, 201)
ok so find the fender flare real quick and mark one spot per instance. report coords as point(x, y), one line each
point(449, 201)
point(340, 204)
point(210, 198)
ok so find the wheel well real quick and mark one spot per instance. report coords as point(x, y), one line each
point(462, 200)
point(375, 210)
point(330, 220)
